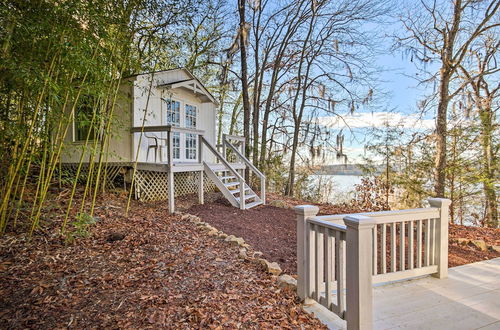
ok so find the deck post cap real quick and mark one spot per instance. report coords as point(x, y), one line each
point(306, 210)
point(439, 202)
point(359, 221)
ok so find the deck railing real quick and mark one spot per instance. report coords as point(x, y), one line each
point(170, 130)
point(366, 248)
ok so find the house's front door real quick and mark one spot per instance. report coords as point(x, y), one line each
point(180, 113)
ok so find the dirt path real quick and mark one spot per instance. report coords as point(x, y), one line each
point(165, 273)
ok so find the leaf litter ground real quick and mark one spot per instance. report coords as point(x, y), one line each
point(147, 270)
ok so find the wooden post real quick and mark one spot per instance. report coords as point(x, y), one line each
point(242, 193)
point(201, 182)
point(224, 146)
point(171, 189)
point(303, 212)
point(441, 245)
point(359, 291)
point(263, 189)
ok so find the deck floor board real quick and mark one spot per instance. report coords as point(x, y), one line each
point(468, 299)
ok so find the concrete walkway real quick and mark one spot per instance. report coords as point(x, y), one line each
point(468, 299)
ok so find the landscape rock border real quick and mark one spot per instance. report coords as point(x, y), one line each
point(477, 243)
point(245, 251)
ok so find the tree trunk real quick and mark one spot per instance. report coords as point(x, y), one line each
point(244, 77)
point(291, 179)
point(488, 166)
point(441, 128)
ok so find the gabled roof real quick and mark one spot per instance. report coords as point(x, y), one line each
point(193, 84)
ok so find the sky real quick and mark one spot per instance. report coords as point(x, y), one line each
point(397, 79)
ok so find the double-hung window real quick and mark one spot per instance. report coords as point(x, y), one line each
point(191, 139)
point(85, 119)
point(174, 119)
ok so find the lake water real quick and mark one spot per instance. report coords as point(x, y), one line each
point(340, 188)
point(334, 188)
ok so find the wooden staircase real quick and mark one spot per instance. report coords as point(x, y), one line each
point(231, 187)
point(230, 182)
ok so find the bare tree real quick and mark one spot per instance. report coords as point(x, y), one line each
point(443, 33)
point(483, 90)
point(243, 40)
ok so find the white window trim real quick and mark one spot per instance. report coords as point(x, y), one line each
point(182, 123)
point(73, 135)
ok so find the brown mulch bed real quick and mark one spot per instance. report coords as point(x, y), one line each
point(269, 229)
point(465, 254)
point(490, 235)
point(164, 273)
point(272, 230)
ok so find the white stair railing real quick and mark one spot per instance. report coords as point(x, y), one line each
point(418, 245)
point(229, 168)
point(226, 144)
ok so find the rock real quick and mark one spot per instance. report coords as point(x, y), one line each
point(286, 281)
point(257, 254)
point(274, 268)
point(208, 227)
point(495, 248)
point(223, 235)
point(213, 232)
point(243, 254)
point(462, 241)
point(280, 203)
point(480, 244)
point(235, 240)
point(271, 267)
point(246, 246)
point(194, 218)
point(190, 217)
point(115, 236)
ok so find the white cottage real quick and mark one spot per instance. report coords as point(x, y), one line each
point(164, 127)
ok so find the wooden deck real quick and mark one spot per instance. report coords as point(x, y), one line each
point(183, 167)
point(468, 299)
point(177, 167)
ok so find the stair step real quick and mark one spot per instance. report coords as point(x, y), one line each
point(235, 191)
point(253, 204)
point(231, 184)
point(228, 177)
point(247, 197)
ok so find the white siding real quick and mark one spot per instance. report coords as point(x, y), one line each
point(156, 111)
point(137, 95)
point(120, 139)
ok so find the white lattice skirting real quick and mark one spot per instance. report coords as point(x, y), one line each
point(148, 185)
point(153, 186)
point(110, 172)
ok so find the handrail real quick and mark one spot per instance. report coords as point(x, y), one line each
point(235, 137)
point(252, 167)
point(231, 169)
point(165, 128)
point(327, 224)
point(222, 159)
point(388, 216)
point(248, 162)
